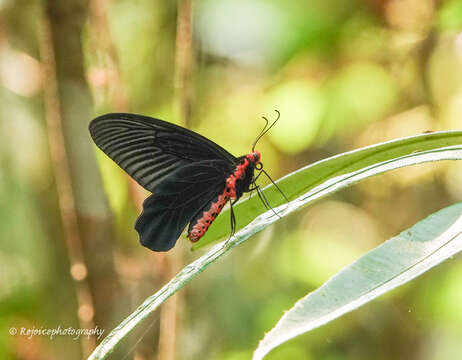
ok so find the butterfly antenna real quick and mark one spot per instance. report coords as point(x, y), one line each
point(266, 128)
point(261, 133)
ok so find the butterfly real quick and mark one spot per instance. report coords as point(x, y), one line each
point(191, 178)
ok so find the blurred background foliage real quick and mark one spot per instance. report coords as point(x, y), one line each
point(343, 74)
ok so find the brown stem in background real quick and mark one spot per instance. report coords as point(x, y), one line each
point(71, 106)
point(104, 43)
point(170, 310)
point(182, 108)
point(183, 62)
point(63, 181)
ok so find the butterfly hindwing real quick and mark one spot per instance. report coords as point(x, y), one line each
point(150, 150)
point(177, 200)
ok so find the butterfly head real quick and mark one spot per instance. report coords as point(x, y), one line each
point(256, 157)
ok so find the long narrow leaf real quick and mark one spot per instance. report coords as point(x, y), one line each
point(397, 261)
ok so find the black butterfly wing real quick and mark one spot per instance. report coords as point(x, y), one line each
point(177, 200)
point(149, 149)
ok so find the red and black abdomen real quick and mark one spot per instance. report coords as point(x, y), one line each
point(205, 217)
point(237, 183)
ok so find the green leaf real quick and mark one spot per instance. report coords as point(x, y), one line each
point(397, 261)
point(314, 176)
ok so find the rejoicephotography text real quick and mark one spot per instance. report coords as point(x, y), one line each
point(57, 331)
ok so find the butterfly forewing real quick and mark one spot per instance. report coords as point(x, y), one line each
point(150, 150)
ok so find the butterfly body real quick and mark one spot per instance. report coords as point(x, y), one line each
point(235, 185)
point(190, 176)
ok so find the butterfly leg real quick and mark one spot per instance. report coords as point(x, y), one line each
point(265, 202)
point(233, 220)
point(256, 177)
point(260, 193)
point(276, 185)
point(251, 189)
point(254, 185)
